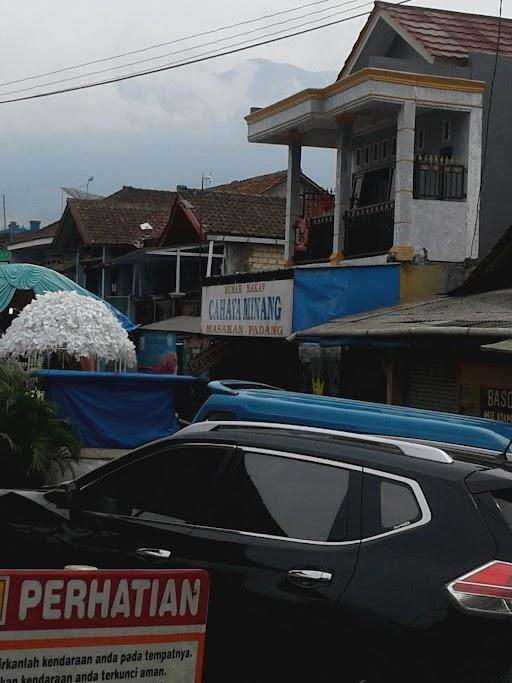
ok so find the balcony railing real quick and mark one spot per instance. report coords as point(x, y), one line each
point(369, 230)
point(314, 231)
point(317, 204)
point(439, 178)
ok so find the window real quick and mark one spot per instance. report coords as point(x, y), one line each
point(389, 505)
point(420, 139)
point(446, 131)
point(367, 154)
point(393, 146)
point(168, 484)
point(358, 157)
point(384, 150)
point(285, 496)
point(375, 156)
point(398, 505)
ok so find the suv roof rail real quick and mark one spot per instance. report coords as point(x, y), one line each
point(233, 386)
point(414, 450)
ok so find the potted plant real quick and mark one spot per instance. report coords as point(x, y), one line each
point(33, 438)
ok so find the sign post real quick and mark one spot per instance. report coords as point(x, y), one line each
point(97, 626)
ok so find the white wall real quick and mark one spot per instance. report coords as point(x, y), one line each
point(440, 227)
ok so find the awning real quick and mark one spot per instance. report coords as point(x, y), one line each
point(188, 324)
point(499, 347)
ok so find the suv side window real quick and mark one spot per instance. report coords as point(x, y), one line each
point(170, 484)
point(285, 496)
point(388, 505)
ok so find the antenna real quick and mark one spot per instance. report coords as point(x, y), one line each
point(206, 180)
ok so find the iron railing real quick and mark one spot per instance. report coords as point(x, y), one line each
point(369, 230)
point(441, 178)
point(316, 204)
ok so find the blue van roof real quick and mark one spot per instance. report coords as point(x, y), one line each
point(249, 401)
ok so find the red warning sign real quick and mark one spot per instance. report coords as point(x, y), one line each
point(83, 626)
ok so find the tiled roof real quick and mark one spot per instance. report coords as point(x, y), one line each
point(261, 184)
point(142, 197)
point(257, 185)
point(443, 34)
point(109, 223)
point(233, 213)
point(32, 235)
point(452, 34)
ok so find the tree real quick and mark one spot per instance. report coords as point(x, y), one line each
point(33, 438)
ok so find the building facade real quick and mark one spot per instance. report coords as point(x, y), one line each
point(407, 119)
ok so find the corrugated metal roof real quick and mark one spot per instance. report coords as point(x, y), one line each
point(486, 314)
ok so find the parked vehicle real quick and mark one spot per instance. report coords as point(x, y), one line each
point(236, 400)
point(332, 556)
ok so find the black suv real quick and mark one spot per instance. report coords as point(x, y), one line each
point(332, 556)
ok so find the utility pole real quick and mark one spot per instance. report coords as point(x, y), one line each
point(5, 219)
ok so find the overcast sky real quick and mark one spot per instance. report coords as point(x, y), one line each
point(162, 129)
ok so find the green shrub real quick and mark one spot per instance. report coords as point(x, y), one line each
point(32, 435)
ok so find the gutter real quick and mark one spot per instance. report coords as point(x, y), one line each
point(407, 332)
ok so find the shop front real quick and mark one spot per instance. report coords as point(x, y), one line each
point(256, 315)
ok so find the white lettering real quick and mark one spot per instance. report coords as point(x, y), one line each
point(30, 597)
point(121, 603)
point(75, 595)
point(139, 586)
point(97, 597)
point(169, 602)
point(190, 598)
point(52, 597)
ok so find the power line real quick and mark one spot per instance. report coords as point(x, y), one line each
point(487, 128)
point(196, 47)
point(170, 42)
point(195, 60)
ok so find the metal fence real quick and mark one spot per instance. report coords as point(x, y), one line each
point(315, 204)
point(441, 178)
point(369, 230)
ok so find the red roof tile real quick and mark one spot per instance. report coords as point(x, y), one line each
point(261, 184)
point(107, 223)
point(234, 213)
point(447, 34)
point(142, 197)
point(257, 185)
point(32, 235)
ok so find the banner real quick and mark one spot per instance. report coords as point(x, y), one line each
point(248, 309)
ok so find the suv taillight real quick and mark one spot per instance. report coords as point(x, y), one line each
point(486, 589)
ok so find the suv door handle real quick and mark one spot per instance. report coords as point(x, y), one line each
point(309, 577)
point(157, 553)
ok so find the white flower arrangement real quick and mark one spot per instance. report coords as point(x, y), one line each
point(71, 324)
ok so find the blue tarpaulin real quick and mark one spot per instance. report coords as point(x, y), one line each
point(115, 410)
point(321, 294)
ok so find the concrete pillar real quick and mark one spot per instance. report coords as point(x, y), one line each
point(293, 201)
point(106, 286)
point(343, 188)
point(473, 182)
point(79, 271)
point(402, 247)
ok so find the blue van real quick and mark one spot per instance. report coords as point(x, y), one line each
point(247, 401)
